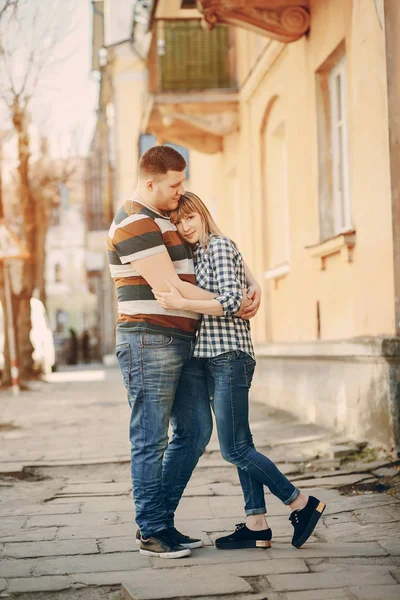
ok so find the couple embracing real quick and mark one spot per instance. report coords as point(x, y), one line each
point(183, 343)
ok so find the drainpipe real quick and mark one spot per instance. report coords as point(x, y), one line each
point(392, 41)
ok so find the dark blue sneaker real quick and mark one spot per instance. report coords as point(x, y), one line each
point(162, 545)
point(179, 538)
point(305, 520)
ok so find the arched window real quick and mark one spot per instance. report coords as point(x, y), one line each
point(274, 170)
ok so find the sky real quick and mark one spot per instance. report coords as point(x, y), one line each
point(64, 105)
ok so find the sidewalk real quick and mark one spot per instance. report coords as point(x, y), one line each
point(66, 514)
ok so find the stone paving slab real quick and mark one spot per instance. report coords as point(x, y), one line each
point(353, 532)
point(42, 509)
point(383, 514)
point(338, 594)
point(333, 566)
point(336, 519)
point(103, 531)
point(121, 561)
point(119, 544)
point(96, 489)
point(10, 524)
point(392, 545)
point(392, 562)
point(375, 592)
point(245, 563)
point(106, 577)
point(73, 520)
point(58, 548)
point(330, 481)
point(195, 581)
point(102, 505)
point(199, 506)
point(39, 584)
point(332, 579)
point(323, 550)
point(30, 535)
point(346, 503)
point(209, 555)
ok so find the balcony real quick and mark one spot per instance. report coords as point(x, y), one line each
point(192, 98)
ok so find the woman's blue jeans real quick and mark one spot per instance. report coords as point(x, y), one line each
point(229, 379)
point(165, 386)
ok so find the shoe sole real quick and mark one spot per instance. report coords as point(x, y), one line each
point(248, 544)
point(311, 525)
point(178, 554)
point(190, 546)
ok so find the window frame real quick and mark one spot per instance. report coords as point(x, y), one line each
point(339, 147)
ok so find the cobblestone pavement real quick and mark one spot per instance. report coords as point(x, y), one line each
point(67, 523)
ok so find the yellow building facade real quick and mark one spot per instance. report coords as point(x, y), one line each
point(293, 149)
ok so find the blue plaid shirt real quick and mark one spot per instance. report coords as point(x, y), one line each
point(220, 269)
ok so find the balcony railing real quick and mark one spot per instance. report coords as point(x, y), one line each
point(187, 58)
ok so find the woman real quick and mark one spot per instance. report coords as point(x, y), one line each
point(224, 351)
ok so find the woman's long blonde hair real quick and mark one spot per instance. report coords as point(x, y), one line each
point(189, 203)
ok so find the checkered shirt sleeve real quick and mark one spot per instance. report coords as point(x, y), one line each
point(222, 261)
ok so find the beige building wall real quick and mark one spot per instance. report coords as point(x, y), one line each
point(129, 82)
point(275, 218)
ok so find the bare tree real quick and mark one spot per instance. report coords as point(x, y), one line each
point(46, 176)
point(7, 6)
point(31, 35)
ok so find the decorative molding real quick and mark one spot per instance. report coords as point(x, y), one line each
point(282, 20)
point(271, 54)
point(195, 120)
point(340, 244)
point(215, 123)
point(277, 272)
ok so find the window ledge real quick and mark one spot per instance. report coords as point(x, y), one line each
point(277, 272)
point(343, 244)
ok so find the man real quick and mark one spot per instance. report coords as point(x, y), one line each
point(154, 346)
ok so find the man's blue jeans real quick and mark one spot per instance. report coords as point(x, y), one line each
point(229, 378)
point(164, 386)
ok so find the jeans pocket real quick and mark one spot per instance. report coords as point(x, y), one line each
point(123, 352)
point(249, 372)
point(223, 359)
point(156, 340)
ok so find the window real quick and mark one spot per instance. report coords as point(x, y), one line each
point(339, 147)
point(333, 146)
point(58, 273)
point(276, 202)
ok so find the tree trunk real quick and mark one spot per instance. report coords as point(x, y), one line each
point(23, 315)
point(6, 373)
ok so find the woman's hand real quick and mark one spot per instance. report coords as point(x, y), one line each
point(254, 294)
point(172, 299)
point(246, 303)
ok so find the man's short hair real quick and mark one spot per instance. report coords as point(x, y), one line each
point(159, 160)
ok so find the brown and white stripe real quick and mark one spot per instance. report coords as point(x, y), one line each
point(138, 232)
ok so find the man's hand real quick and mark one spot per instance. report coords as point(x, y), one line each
point(254, 294)
point(172, 299)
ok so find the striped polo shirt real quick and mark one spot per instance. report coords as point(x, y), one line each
point(137, 232)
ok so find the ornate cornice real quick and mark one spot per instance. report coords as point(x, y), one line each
point(195, 120)
point(282, 20)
